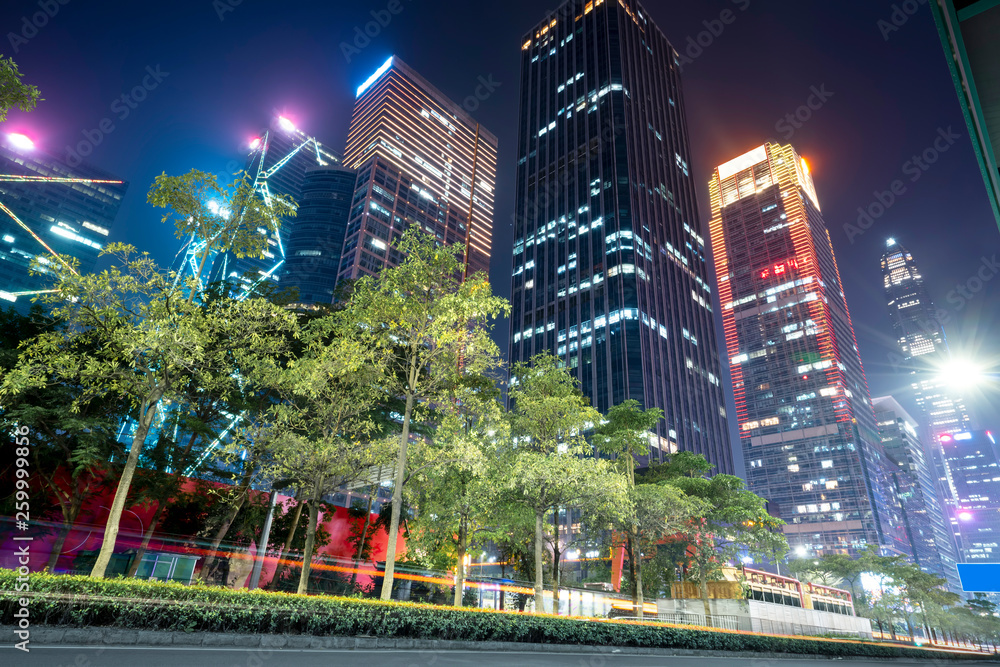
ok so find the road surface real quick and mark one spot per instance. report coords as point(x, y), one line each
point(166, 656)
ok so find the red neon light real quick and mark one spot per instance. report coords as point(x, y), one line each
point(779, 269)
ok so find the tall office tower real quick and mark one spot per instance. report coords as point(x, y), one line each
point(609, 268)
point(317, 239)
point(276, 165)
point(421, 160)
point(806, 420)
point(916, 487)
point(925, 353)
point(60, 213)
point(973, 461)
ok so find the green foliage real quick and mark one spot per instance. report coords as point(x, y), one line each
point(433, 326)
point(86, 602)
point(13, 92)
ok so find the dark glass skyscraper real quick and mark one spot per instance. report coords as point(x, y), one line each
point(73, 219)
point(421, 160)
point(609, 269)
point(317, 239)
point(806, 419)
point(916, 487)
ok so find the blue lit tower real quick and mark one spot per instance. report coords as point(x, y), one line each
point(276, 164)
point(609, 269)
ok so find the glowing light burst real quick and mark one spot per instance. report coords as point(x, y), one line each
point(20, 141)
point(285, 124)
point(962, 374)
point(255, 143)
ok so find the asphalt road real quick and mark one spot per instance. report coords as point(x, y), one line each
point(93, 656)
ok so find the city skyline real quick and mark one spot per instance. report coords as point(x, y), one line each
point(210, 138)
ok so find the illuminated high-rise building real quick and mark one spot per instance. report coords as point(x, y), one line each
point(64, 209)
point(421, 160)
point(609, 269)
point(915, 484)
point(924, 348)
point(276, 164)
point(806, 420)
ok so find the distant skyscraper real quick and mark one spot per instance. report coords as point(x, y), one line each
point(806, 420)
point(276, 165)
point(73, 219)
point(925, 353)
point(973, 462)
point(916, 487)
point(421, 160)
point(609, 268)
point(317, 239)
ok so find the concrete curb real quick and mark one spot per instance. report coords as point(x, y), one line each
point(109, 636)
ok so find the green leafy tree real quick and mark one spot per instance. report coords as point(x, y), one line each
point(319, 434)
point(549, 467)
point(436, 326)
point(13, 92)
point(455, 476)
point(624, 435)
point(735, 521)
point(153, 340)
point(71, 451)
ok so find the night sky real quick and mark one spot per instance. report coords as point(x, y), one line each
point(226, 67)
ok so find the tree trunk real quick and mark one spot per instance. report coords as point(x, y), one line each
point(283, 567)
point(133, 568)
point(146, 415)
point(397, 499)
point(460, 568)
point(703, 585)
point(221, 534)
point(539, 580)
point(638, 576)
point(631, 564)
point(310, 540)
point(556, 556)
point(69, 518)
point(364, 536)
point(243, 491)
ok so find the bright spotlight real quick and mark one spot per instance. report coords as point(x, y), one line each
point(254, 143)
point(965, 516)
point(890, 242)
point(20, 141)
point(286, 125)
point(961, 374)
point(801, 551)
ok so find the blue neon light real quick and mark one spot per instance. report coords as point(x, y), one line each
point(374, 77)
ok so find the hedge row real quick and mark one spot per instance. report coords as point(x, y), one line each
point(128, 603)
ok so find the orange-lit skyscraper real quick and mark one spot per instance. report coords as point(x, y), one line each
point(806, 421)
point(421, 159)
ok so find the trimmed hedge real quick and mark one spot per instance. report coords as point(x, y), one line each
point(145, 605)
